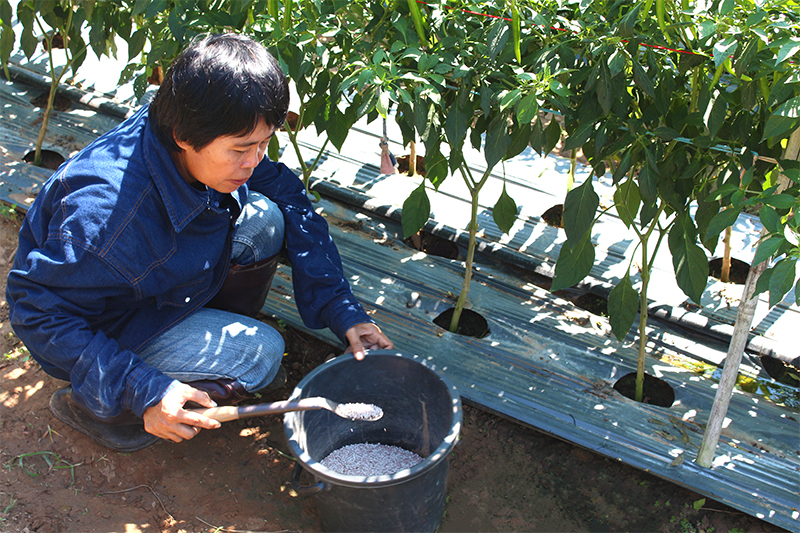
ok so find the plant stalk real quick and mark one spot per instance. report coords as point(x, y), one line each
point(55, 80)
point(474, 191)
point(639, 393)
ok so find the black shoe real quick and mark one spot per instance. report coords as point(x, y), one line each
point(231, 392)
point(123, 433)
point(278, 382)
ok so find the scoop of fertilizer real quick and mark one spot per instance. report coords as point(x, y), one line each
point(359, 411)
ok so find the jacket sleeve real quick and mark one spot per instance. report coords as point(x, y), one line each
point(55, 293)
point(323, 295)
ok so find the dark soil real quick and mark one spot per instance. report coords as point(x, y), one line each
point(403, 164)
point(60, 102)
point(655, 391)
point(50, 159)
point(554, 216)
point(738, 272)
point(431, 244)
point(503, 476)
point(470, 323)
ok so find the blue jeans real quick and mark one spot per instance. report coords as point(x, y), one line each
point(214, 344)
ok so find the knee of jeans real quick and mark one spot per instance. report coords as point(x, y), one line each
point(259, 230)
point(266, 361)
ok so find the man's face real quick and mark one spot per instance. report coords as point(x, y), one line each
point(227, 162)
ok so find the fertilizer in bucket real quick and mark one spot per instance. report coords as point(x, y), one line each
point(370, 459)
point(421, 416)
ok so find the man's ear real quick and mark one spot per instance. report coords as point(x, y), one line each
point(183, 145)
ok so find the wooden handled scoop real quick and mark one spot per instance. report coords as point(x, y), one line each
point(353, 411)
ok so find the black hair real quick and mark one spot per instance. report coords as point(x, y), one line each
point(219, 85)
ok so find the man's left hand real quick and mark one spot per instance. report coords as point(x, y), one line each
point(366, 336)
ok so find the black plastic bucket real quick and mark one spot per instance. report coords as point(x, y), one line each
point(421, 413)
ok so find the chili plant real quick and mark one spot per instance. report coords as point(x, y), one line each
point(65, 21)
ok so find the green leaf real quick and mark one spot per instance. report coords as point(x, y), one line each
point(648, 178)
point(580, 207)
point(779, 201)
point(497, 141)
point(766, 249)
point(456, 125)
point(688, 259)
point(574, 262)
point(782, 279)
point(717, 116)
point(623, 304)
point(624, 166)
point(642, 80)
point(579, 136)
point(666, 133)
point(435, 166)
point(497, 38)
point(416, 211)
point(504, 212)
point(778, 126)
point(627, 201)
point(699, 504)
point(537, 140)
point(519, 140)
point(787, 51)
point(337, 128)
point(274, 148)
point(140, 7)
point(722, 220)
point(510, 99)
point(770, 219)
point(527, 109)
point(7, 39)
point(552, 135)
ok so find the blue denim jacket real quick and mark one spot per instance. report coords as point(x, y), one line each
point(117, 248)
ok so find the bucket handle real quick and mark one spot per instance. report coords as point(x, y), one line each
point(304, 490)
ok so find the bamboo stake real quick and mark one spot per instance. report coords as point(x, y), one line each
point(741, 331)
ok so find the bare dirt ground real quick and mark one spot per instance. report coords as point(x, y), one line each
point(503, 476)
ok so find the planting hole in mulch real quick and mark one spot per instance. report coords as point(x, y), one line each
point(433, 245)
point(60, 102)
point(554, 216)
point(50, 159)
point(655, 391)
point(471, 324)
point(782, 371)
point(738, 274)
point(402, 164)
point(587, 301)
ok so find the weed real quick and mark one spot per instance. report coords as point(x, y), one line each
point(10, 505)
point(19, 352)
point(9, 212)
point(53, 460)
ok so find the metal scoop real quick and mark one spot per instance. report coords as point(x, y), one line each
point(353, 411)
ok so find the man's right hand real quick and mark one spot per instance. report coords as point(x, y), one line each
point(169, 420)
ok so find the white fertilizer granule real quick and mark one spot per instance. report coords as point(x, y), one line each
point(370, 460)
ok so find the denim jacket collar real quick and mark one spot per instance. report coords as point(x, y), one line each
point(182, 201)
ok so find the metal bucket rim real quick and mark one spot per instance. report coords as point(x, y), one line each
point(331, 476)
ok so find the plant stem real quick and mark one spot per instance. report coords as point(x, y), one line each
point(473, 232)
point(55, 80)
point(639, 393)
point(647, 266)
